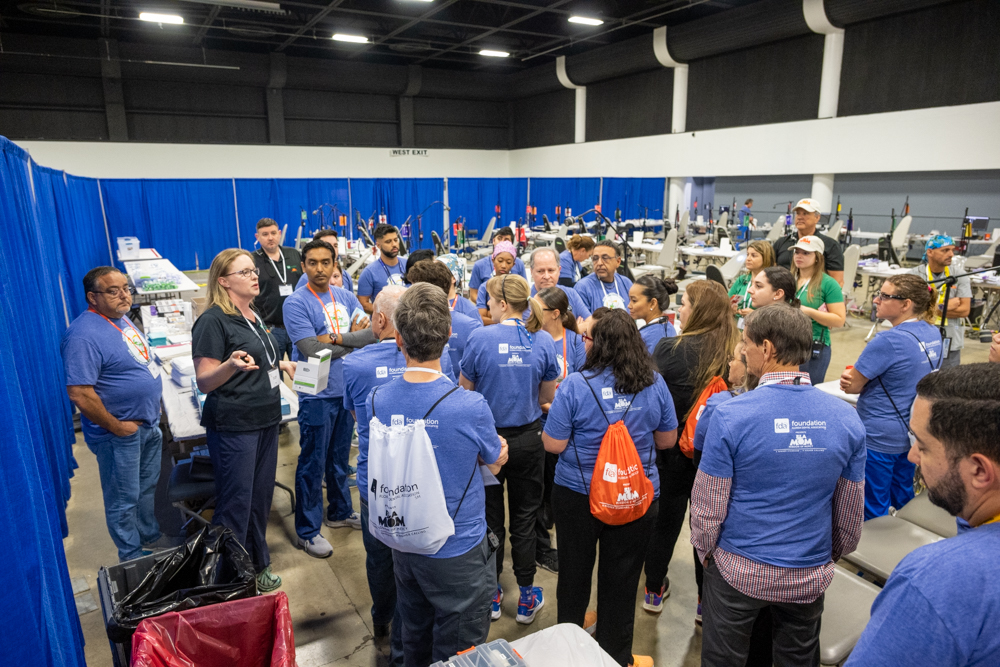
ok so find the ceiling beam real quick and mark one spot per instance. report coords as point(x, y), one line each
point(209, 20)
point(561, 12)
point(319, 16)
point(406, 26)
point(105, 9)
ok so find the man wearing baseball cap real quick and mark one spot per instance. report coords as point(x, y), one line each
point(937, 265)
point(806, 216)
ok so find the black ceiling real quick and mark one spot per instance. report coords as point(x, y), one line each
point(441, 33)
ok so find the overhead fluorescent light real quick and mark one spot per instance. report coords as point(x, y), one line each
point(585, 20)
point(161, 18)
point(494, 54)
point(357, 39)
point(256, 5)
point(423, 0)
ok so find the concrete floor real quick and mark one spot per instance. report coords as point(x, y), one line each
point(329, 599)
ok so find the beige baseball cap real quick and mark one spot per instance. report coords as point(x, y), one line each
point(810, 244)
point(810, 205)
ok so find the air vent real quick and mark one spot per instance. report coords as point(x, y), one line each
point(251, 32)
point(50, 10)
point(409, 47)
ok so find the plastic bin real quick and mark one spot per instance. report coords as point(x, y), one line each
point(128, 247)
point(255, 632)
point(497, 653)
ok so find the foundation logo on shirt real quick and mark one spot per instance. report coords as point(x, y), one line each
point(801, 440)
point(339, 315)
point(607, 392)
point(622, 404)
point(395, 279)
point(515, 360)
point(781, 426)
point(611, 473)
point(397, 420)
point(381, 371)
point(134, 343)
point(504, 348)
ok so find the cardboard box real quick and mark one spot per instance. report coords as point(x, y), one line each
point(311, 376)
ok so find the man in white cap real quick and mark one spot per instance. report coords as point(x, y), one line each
point(806, 216)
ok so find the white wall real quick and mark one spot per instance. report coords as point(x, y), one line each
point(940, 139)
point(137, 160)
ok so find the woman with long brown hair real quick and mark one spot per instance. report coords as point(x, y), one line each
point(688, 363)
point(237, 366)
point(822, 300)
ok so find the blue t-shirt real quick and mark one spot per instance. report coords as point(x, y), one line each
point(596, 293)
point(507, 369)
point(305, 318)
point(461, 429)
point(576, 304)
point(348, 285)
point(655, 332)
point(482, 271)
point(569, 267)
point(574, 416)
point(701, 430)
point(576, 353)
point(784, 447)
point(941, 606)
point(377, 275)
point(896, 357)
point(462, 327)
point(462, 305)
point(366, 368)
point(95, 354)
point(482, 296)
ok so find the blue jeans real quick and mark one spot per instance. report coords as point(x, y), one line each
point(325, 430)
point(888, 481)
point(816, 366)
point(130, 469)
point(382, 584)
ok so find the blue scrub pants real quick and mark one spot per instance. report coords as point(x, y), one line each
point(382, 585)
point(130, 469)
point(888, 481)
point(816, 367)
point(325, 430)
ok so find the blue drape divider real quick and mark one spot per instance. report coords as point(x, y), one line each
point(475, 199)
point(43, 625)
point(400, 198)
point(283, 200)
point(631, 195)
point(187, 221)
point(579, 194)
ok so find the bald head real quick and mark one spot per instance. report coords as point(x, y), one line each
point(383, 310)
point(545, 268)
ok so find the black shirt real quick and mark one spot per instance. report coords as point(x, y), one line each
point(246, 401)
point(270, 300)
point(678, 364)
point(833, 255)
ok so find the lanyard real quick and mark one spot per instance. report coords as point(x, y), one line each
point(334, 324)
point(993, 520)
point(419, 369)
point(746, 293)
point(930, 277)
point(284, 268)
point(565, 371)
point(614, 279)
point(135, 340)
point(804, 288)
point(385, 268)
point(270, 359)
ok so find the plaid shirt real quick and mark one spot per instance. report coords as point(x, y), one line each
point(710, 505)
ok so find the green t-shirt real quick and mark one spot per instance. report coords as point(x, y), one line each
point(739, 289)
point(829, 292)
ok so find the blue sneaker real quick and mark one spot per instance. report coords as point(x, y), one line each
point(497, 599)
point(528, 605)
point(653, 601)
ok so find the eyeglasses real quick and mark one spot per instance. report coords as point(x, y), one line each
point(586, 337)
point(603, 258)
point(115, 292)
point(245, 272)
point(882, 295)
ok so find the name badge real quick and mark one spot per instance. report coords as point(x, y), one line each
point(285, 290)
point(154, 369)
point(612, 301)
point(739, 324)
point(274, 375)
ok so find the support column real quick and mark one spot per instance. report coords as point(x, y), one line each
point(822, 191)
point(276, 99)
point(114, 99)
point(675, 201)
point(833, 56)
point(407, 131)
point(580, 117)
point(678, 113)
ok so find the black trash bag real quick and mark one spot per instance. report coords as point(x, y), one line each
point(211, 567)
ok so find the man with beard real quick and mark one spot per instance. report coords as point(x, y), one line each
point(386, 270)
point(941, 605)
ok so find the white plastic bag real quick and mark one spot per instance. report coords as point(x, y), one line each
point(407, 510)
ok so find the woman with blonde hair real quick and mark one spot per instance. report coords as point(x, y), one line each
point(886, 375)
point(760, 255)
point(822, 300)
point(688, 363)
point(238, 367)
point(516, 372)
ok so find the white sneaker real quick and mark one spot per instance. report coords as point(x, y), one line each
point(317, 547)
point(353, 521)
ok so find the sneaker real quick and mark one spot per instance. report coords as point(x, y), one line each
point(352, 471)
point(590, 622)
point(317, 547)
point(267, 581)
point(697, 614)
point(641, 661)
point(548, 560)
point(353, 521)
point(530, 602)
point(497, 599)
point(654, 601)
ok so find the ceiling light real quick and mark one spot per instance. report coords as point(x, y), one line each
point(585, 20)
point(357, 39)
point(494, 54)
point(161, 18)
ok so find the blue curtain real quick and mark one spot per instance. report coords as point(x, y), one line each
point(579, 194)
point(187, 221)
point(475, 199)
point(633, 196)
point(400, 199)
point(43, 626)
point(284, 199)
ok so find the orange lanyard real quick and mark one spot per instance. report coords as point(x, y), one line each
point(136, 341)
point(993, 520)
point(565, 373)
point(333, 323)
point(451, 304)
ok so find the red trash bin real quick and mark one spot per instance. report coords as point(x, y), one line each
point(253, 632)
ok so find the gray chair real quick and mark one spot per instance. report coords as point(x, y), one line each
point(885, 541)
point(922, 512)
point(712, 272)
point(666, 260)
point(191, 494)
point(846, 611)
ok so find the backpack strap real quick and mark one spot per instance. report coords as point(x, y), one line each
point(373, 399)
point(601, 407)
point(453, 390)
point(467, 485)
point(599, 404)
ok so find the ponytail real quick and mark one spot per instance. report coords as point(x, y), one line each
point(556, 299)
point(923, 296)
point(657, 288)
